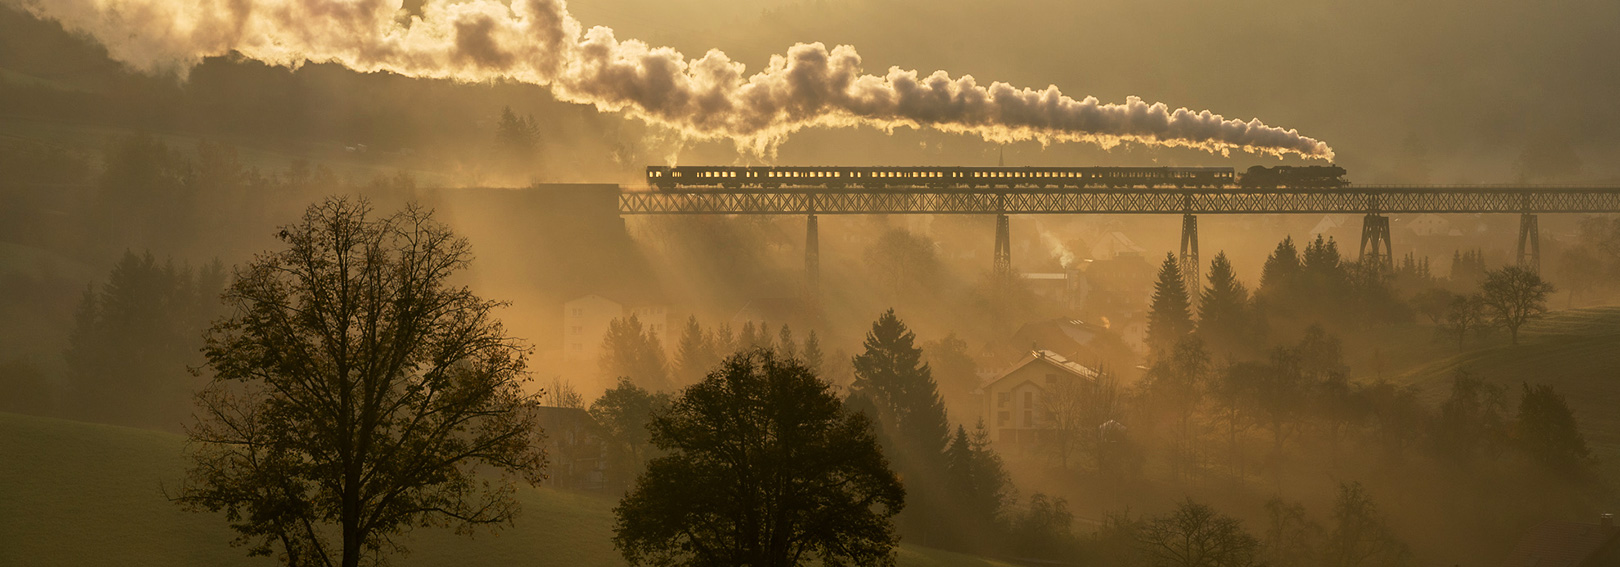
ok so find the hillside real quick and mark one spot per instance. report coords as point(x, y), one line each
point(1576, 351)
point(85, 495)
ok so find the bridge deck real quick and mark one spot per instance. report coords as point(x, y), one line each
point(1037, 200)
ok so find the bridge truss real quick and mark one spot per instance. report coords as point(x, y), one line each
point(1371, 201)
point(1016, 200)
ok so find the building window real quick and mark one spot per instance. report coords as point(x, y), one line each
point(578, 330)
point(1051, 379)
point(579, 347)
point(1029, 418)
point(1029, 400)
point(1001, 419)
point(1002, 399)
point(579, 312)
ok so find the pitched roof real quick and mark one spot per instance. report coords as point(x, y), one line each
point(1560, 544)
point(1048, 357)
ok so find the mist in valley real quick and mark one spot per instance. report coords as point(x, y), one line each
point(1301, 406)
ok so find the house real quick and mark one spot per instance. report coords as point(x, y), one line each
point(1015, 398)
point(1568, 544)
point(575, 451)
point(586, 320)
point(1077, 340)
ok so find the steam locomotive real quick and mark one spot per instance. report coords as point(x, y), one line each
point(772, 177)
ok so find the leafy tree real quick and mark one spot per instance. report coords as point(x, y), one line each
point(1466, 313)
point(1194, 535)
point(762, 466)
point(1360, 534)
point(1433, 303)
point(357, 394)
point(1170, 313)
point(1225, 320)
point(1546, 431)
point(1044, 529)
point(134, 337)
point(1514, 295)
point(1177, 386)
point(630, 351)
point(1471, 421)
point(623, 412)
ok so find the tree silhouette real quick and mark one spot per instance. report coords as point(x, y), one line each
point(1514, 295)
point(893, 382)
point(763, 466)
point(1170, 313)
point(630, 351)
point(1546, 431)
point(1194, 535)
point(357, 394)
point(623, 412)
point(1225, 320)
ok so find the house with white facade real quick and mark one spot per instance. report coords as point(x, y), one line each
point(1015, 399)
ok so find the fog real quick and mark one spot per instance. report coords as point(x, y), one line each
point(137, 171)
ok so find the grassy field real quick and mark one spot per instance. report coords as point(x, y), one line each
point(83, 494)
point(1576, 351)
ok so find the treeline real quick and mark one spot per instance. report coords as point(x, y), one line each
point(144, 224)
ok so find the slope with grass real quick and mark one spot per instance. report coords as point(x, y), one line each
point(79, 494)
point(1576, 351)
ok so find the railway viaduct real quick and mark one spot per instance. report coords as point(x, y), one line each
point(1373, 202)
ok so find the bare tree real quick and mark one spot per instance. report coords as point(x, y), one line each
point(1514, 295)
point(355, 391)
point(1197, 536)
point(1466, 313)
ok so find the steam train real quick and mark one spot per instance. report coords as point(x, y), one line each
point(771, 177)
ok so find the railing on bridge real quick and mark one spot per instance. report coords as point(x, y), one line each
point(1015, 200)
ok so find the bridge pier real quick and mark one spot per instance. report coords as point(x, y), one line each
point(1191, 272)
point(1001, 266)
point(1375, 241)
point(1529, 242)
point(812, 261)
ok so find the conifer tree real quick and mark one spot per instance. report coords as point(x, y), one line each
point(1280, 269)
point(812, 353)
point(722, 342)
point(978, 482)
point(1170, 315)
point(892, 380)
point(694, 354)
point(629, 350)
point(1224, 319)
point(785, 346)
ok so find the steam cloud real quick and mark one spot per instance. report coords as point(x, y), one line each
point(537, 41)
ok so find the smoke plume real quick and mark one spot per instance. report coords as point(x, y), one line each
point(710, 97)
